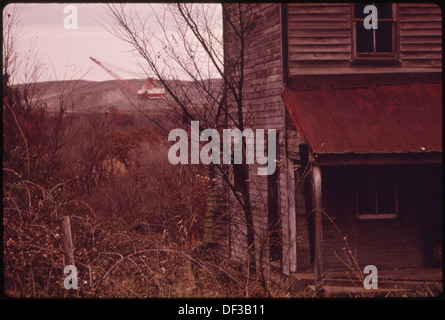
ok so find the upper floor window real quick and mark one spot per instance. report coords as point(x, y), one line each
point(374, 37)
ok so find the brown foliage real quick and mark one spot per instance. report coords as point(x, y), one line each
point(133, 229)
point(137, 227)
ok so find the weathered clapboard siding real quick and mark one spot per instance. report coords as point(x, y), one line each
point(320, 39)
point(319, 42)
point(302, 234)
point(420, 34)
point(264, 109)
point(318, 32)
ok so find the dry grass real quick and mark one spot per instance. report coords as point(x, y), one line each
point(118, 255)
point(118, 259)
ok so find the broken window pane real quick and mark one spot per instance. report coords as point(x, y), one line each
point(383, 37)
point(358, 10)
point(386, 196)
point(366, 195)
point(364, 39)
point(384, 10)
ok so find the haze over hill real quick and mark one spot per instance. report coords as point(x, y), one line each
point(91, 96)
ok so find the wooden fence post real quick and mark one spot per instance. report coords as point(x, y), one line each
point(67, 241)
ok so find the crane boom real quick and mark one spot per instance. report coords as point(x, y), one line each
point(122, 81)
point(148, 91)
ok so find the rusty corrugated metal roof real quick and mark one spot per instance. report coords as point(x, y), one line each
point(378, 119)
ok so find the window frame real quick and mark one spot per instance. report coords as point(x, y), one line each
point(376, 56)
point(373, 176)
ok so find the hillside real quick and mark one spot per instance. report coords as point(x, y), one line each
point(89, 96)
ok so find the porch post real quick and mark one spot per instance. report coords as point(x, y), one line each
point(318, 236)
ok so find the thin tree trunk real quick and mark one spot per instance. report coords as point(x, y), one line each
point(248, 214)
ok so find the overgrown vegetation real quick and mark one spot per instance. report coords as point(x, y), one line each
point(137, 221)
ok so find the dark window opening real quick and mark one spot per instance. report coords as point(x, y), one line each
point(376, 194)
point(373, 43)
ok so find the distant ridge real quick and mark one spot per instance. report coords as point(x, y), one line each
point(98, 96)
point(90, 96)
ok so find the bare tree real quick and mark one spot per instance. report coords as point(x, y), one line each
point(33, 137)
point(10, 35)
point(187, 44)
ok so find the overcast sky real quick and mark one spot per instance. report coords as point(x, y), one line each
point(66, 52)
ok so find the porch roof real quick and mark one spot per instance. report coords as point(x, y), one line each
point(378, 119)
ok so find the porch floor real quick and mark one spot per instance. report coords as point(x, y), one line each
point(414, 274)
point(394, 280)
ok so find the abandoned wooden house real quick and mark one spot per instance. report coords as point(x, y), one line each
point(358, 114)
